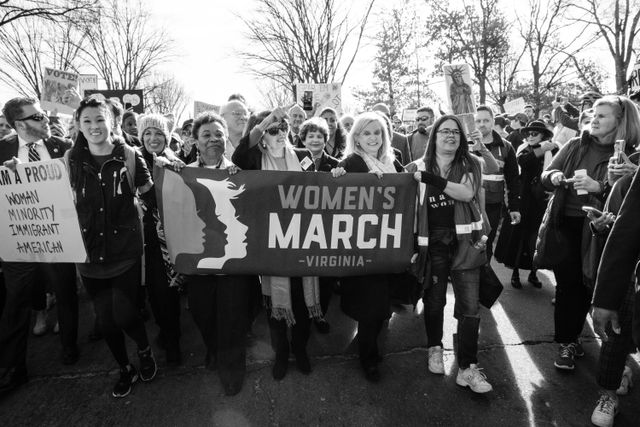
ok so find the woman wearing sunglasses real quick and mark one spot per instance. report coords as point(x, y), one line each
point(517, 242)
point(290, 301)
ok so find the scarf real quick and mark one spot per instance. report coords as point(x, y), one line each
point(276, 290)
point(376, 165)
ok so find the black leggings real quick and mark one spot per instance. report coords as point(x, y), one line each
point(114, 301)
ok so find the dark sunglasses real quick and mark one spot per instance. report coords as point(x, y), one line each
point(274, 131)
point(534, 133)
point(422, 118)
point(38, 117)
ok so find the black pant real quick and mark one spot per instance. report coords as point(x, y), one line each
point(299, 331)
point(495, 212)
point(218, 304)
point(326, 291)
point(573, 298)
point(20, 280)
point(114, 301)
point(164, 300)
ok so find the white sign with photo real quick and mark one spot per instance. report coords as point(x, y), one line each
point(56, 84)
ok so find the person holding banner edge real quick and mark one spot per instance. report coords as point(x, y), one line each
point(32, 142)
point(290, 301)
point(366, 299)
point(104, 188)
point(452, 243)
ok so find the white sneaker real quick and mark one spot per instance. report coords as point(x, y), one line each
point(40, 328)
point(605, 411)
point(626, 382)
point(474, 379)
point(436, 364)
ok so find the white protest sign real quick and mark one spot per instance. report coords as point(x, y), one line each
point(634, 81)
point(514, 107)
point(201, 107)
point(409, 114)
point(318, 96)
point(87, 82)
point(56, 83)
point(38, 219)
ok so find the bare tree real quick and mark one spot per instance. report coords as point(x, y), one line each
point(12, 11)
point(549, 53)
point(164, 95)
point(616, 22)
point(26, 48)
point(502, 77)
point(305, 41)
point(275, 94)
point(123, 47)
point(476, 34)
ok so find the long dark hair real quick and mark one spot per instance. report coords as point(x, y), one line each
point(463, 162)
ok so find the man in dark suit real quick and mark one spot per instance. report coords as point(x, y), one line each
point(32, 142)
point(398, 140)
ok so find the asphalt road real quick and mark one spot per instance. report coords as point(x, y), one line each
point(516, 352)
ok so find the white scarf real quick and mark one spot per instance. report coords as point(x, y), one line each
point(376, 165)
point(276, 289)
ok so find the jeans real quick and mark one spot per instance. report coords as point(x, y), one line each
point(495, 212)
point(466, 289)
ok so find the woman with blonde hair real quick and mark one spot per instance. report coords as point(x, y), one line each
point(366, 298)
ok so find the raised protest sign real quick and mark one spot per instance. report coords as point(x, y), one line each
point(634, 81)
point(38, 219)
point(201, 107)
point(409, 115)
point(460, 93)
point(56, 84)
point(286, 223)
point(130, 99)
point(514, 107)
point(318, 96)
point(87, 82)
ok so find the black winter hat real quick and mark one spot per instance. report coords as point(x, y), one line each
point(538, 126)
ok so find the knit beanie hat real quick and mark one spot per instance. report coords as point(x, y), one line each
point(153, 121)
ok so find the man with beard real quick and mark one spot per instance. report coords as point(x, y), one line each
point(33, 142)
point(418, 138)
point(297, 116)
point(494, 184)
point(236, 114)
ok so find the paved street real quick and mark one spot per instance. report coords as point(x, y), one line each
point(516, 351)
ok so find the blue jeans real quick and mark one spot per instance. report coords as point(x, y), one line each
point(466, 289)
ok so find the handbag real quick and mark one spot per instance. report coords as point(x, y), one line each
point(490, 286)
point(552, 246)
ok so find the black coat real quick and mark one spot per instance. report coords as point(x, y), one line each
point(55, 146)
point(621, 253)
point(516, 244)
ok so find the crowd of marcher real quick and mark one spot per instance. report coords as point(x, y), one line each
point(560, 192)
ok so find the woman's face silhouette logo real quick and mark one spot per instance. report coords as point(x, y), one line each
point(187, 234)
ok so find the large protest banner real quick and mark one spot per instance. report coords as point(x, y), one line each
point(130, 99)
point(634, 80)
point(286, 223)
point(56, 84)
point(318, 96)
point(38, 219)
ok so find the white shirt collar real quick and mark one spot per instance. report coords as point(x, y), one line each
point(23, 143)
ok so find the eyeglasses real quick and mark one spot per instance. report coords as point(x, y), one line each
point(38, 117)
point(533, 134)
point(239, 114)
point(274, 131)
point(449, 132)
point(423, 118)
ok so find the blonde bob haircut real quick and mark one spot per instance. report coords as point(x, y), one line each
point(385, 152)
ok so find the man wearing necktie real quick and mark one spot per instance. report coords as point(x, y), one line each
point(31, 143)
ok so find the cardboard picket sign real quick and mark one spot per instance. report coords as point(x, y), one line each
point(87, 82)
point(515, 106)
point(201, 107)
point(38, 218)
point(318, 96)
point(56, 84)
